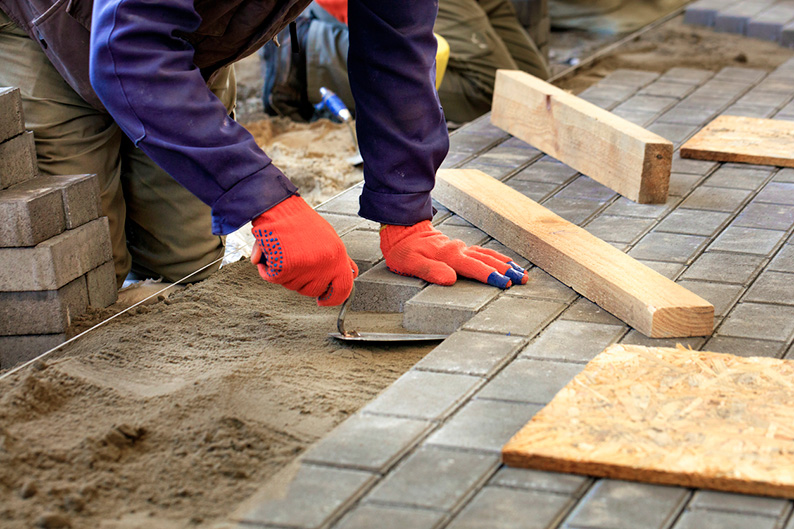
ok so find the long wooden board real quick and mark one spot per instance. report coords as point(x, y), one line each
point(638, 295)
point(670, 416)
point(747, 140)
point(617, 153)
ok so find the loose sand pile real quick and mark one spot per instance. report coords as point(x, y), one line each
point(173, 415)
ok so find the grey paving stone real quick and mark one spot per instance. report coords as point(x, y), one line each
point(585, 310)
point(741, 503)
point(455, 159)
point(618, 229)
point(784, 260)
point(744, 75)
point(667, 89)
point(435, 477)
point(515, 146)
point(12, 122)
point(42, 312)
point(694, 76)
point(716, 199)
point(627, 208)
point(547, 171)
point(315, 496)
point(600, 102)
point(738, 177)
point(470, 142)
point(772, 84)
point(363, 247)
point(442, 310)
point(681, 183)
point(573, 341)
point(776, 193)
point(747, 240)
point(343, 223)
point(530, 381)
point(15, 350)
point(674, 132)
point(768, 216)
point(787, 35)
point(497, 171)
point(693, 222)
point(724, 267)
point(380, 290)
point(537, 191)
point(768, 25)
point(468, 234)
point(762, 98)
point(101, 285)
point(668, 270)
point(648, 103)
point(587, 188)
point(720, 520)
point(700, 14)
point(29, 216)
point(635, 337)
point(504, 250)
point(482, 126)
point(523, 478)
point(385, 517)
point(750, 111)
point(508, 158)
point(368, 442)
point(543, 286)
point(745, 346)
point(345, 203)
point(616, 93)
point(638, 117)
point(56, 261)
point(722, 295)
point(17, 160)
point(574, 210)
point(515, 316)
point(772, 287)
point(689, 166)
point(785, 175)
point(623, 505)
point(760, 321)
point(456, 220)
point(80, 195)
point(484, 425)
point(472, 353)
point(423, 395)
point(499, 508)
point(673, 247)
point(631, 78)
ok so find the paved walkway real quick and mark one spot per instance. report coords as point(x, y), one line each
point(425, 453)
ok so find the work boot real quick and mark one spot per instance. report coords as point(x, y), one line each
point(285, 92)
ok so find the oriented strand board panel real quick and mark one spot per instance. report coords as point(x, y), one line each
point(670, 416)
point(617, 153)
point(740, 139)
point(638, 295)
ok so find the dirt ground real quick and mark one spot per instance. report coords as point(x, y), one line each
point(174, 414)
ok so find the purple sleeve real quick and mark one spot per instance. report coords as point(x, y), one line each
point(146, 78)
point(401, 128)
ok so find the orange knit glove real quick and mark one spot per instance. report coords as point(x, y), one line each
point(297, 248)
point(424, 252)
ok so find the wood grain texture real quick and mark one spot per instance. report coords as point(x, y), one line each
point(617, 153)
point(643, 298)
point(747, 140)
point(670, 416)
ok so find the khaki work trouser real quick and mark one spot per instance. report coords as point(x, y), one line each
point(157, 227)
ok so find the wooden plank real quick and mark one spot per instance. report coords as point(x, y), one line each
point(617, 153)
point(670, 416)
point(641, 297)
point(747, 140)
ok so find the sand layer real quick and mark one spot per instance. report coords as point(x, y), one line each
point(173, 415)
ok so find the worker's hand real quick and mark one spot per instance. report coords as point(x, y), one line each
point(297, 248)
point(424, 252)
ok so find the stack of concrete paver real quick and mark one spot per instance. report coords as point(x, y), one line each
point(55, 254)
point(425, 453)
point(761, 19)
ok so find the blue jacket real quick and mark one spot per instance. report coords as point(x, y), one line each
point(149, 66)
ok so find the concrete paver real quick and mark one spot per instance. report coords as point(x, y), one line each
point(729, 502)
point(724, 267)
point(515, 316)
point(530, 381)
point(760, 321)
point(573, 341)
point(693, 222)
point(523, 478)
point(497, 508)
point(747, 240)
point(745, 346)
point(721, 520)
point(472, 353)
point(385, 517)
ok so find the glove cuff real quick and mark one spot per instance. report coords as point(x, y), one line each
point(391, 234)
point(292, 207)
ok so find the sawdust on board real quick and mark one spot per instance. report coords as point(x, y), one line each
point(173, 415)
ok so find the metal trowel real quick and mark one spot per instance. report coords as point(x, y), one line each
point(355, 336)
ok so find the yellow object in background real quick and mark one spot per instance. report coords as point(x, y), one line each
point(442, 58)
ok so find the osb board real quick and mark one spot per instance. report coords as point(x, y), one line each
point(747, 140)
point(670, 416)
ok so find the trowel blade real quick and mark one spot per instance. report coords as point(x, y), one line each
point(388, 337)
point(356, 159)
